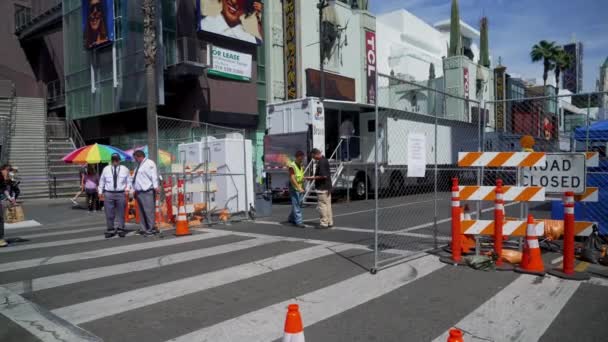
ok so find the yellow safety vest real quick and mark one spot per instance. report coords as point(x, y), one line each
point(298, 172)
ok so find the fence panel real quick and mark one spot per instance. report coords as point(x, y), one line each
point(420, 130)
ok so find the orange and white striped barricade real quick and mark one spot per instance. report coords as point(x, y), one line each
point(593, 159)
point(501, 159)
point(567, 270)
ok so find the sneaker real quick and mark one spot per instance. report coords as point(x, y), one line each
point(323, 226)
point(109, 235)
point(122, 234)
point(3, 243)
point(74, 201)
point(300, 225)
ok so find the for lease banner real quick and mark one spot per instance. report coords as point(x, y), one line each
point(230, 64)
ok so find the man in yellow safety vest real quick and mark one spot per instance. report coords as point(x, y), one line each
point(296, 189)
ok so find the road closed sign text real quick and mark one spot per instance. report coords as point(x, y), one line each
point(562, 172)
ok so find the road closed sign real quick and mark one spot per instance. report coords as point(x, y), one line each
point(562, 172)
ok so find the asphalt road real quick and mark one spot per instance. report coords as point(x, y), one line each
point(233, 283)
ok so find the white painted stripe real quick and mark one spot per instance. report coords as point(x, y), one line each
point(22, 224)
point(99, 229)
point(586, 232)
point(478, 227)
point(316, 306)
point(598, 281)
point(11, 266)
point(533, 243)
point(38, 322)
point(389, 232)
point(485, 159)
point(510, 226)
point(44, 283)
point(455, 203)
point(20, 248)
point(299, 337)
point(569, 210)
point(130, 300)
point(517, 158)
point(522, 311)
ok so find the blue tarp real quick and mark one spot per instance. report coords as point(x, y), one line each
point(598, 131)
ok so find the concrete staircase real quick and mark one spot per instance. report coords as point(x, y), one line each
point(65, 179)
point(6, 109)
point(28, 146)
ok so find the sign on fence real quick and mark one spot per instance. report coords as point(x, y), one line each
point(561, 172)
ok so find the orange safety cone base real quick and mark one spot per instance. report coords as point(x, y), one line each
point(505, 267)
point(558, 272)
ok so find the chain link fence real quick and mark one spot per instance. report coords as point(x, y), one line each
point(419, 128)
point(215, 163)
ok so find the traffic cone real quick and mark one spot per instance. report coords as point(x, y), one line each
point(224, 215)
point(455, 335)
point(181, 225)
point(531, 260)
point(158, 218)
point(294, 330)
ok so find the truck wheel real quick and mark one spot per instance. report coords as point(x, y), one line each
point(359, 188)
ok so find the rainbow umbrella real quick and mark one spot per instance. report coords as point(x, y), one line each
point(165, 158)
point(94, 154)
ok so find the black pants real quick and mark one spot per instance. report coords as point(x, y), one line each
point(92, 199)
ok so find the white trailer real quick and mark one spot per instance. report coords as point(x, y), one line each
point(321, 122)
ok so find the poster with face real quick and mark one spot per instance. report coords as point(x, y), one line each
point(238, 19)
point(97, 22)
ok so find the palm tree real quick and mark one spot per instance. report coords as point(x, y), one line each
point(544, 51)
point(563, 61)
point(149, 15)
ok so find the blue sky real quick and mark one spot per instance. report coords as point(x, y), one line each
point(516, 25)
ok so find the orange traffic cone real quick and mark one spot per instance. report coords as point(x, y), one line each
point(224, 215)
point(181, 225)
point(158, 218)
point(455, 335)
point(531, 260)
point(294, 330)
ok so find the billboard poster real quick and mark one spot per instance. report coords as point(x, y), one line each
point(230, 64)
point(97, 22)
point(370, 61)
point(237, 19)
point(290, 48)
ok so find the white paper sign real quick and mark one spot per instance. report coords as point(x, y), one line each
point(416, 155)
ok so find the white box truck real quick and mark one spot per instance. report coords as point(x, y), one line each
point(307, 123)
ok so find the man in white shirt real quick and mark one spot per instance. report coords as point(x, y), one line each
point(145, 185)
point(113, 188)
point(228, 22)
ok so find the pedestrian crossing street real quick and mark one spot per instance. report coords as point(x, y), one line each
point(72, 284)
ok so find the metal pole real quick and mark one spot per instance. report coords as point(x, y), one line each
point(376, 191)
point(588, 122)
point(435, 196)
point(245, 175)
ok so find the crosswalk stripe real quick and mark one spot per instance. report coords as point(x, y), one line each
point(141, 265)
point(52, 244)
point(112, 305)
point(522, 311)
point(16, 265)
point(265, 324)
point(38, 322)
point(99, 229)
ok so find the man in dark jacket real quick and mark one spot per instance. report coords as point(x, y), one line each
point(322, 180)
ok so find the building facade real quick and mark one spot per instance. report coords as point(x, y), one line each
point(572, 78)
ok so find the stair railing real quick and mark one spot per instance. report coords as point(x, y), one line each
point(310, 186)
point(74, 134)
